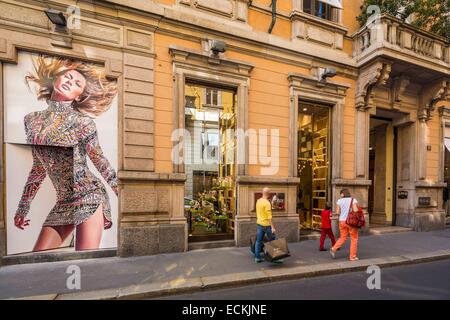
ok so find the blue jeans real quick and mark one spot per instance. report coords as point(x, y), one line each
point(260, 232)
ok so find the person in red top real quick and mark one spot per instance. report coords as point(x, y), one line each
point(326, 227)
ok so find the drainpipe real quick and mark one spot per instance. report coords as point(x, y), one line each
point(274, 15)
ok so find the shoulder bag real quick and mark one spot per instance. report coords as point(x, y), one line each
point(355, 219)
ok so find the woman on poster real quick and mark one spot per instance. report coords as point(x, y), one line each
point(61, 136)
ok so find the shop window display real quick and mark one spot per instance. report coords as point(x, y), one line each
point(210, 167)
point(313, 164)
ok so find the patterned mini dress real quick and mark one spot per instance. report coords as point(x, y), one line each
point(61, 138)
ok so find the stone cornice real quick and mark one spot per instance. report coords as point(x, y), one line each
point(190, 56)
point(242, 31)
point(350, 182)
point(269, 180)
point(151, 176)
point(425, 184)
point(169, 20)
point(303, 82)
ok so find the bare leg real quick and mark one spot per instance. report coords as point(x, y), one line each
point(52, 237)
point(89, 233)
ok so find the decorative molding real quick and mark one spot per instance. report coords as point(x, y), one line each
point(375, 74)
point(346, 182)
point(113, 67)
point(151, 176)
point(231, 9)
point(313, 29)
point(312, 84)
point(137, 39)
point(330, 25)
point(430, 95)
point(426, 184)
point(267, 180)
point(444, 112)
point(399, 86)
point(309, 88)
point(197, 65)
point(203, 59)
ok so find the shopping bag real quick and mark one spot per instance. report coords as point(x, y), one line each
point(276, 250)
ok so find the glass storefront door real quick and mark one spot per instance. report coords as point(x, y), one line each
point(313, 163)
point(210, 192)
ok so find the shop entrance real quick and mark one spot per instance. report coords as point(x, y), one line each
point(382, 156)
point(313, 163)
point(210, 189)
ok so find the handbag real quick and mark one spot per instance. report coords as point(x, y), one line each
point(355, 219)
point(276, 250)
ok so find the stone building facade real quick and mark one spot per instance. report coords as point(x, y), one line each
point(388, 103)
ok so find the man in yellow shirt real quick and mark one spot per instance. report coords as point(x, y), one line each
point(264, 223)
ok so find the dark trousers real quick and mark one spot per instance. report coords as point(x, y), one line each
point(325, 232)
point(260, 232)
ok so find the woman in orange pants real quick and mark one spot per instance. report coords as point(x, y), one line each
point(342, 209)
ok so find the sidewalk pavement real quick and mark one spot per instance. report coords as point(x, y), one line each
point(152, 276)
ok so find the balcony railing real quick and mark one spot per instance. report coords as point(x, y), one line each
point(394, 36)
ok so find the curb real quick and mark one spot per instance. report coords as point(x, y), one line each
point(181, 285)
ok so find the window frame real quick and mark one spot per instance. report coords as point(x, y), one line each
point(331, 13)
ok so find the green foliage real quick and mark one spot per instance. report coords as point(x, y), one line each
point(431, 15)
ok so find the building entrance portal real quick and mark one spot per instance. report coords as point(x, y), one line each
point(381, 204)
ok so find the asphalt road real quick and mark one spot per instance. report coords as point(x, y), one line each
point(420, 281)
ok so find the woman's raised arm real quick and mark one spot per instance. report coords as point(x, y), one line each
point(35, 178)
point(99, 160)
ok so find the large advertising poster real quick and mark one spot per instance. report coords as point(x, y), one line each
point(61, 155)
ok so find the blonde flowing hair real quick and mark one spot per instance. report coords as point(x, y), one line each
point(97, 95)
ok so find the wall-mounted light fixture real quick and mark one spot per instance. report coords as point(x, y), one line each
point(58, 19)
point(218, 46)
point(325, 73)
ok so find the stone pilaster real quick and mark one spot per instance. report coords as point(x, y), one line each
point(421, 149)
point(2, 185)
point(429, 215)
point(286, 221)
point(359, 189)
point(362, 135)
point(152, 214)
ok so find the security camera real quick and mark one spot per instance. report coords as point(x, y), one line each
point(218, 46)
point(327, 73)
